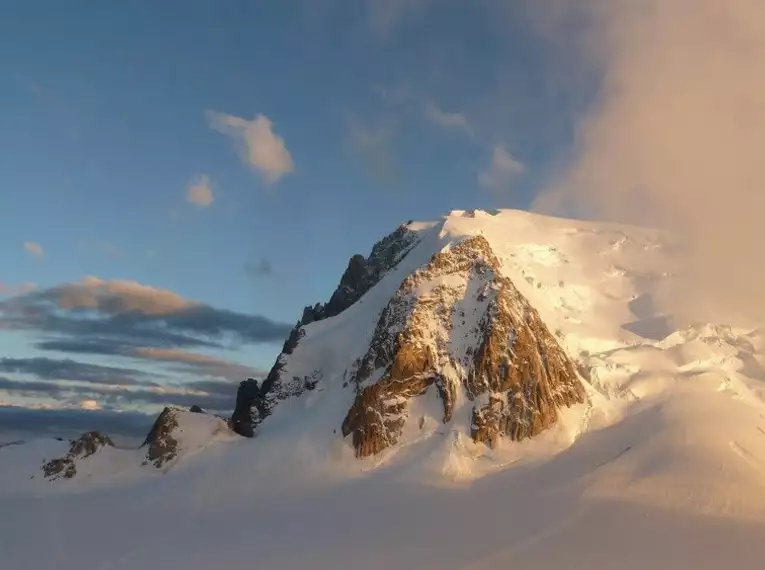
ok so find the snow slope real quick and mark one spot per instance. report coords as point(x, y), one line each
point(664, 467)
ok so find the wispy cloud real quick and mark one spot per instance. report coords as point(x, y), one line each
point(34, 248)
point(9, 289)
point(373, 144)
point(503, 168)
point(199, 191)
point(259, 269)
point(259, 146)
point(445, 119)
point(66, 369)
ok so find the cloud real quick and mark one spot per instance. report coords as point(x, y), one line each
point(215, 395)
point(129, 314)
point(72, 422)
point(259, 146)
point(34, 248)
point(447, 120)
point(502, 169)
point(10, 290)
point(52, 369)
point(200, 364)
point(263, 267)
point(675, 136)
point(199, 191)
point(373, 144)
point(28, 387)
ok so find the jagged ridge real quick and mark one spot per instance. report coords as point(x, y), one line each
point(359, 277)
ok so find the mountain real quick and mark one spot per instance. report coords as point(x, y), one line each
point(487, 390)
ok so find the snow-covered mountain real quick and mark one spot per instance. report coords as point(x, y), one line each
point(488, 390)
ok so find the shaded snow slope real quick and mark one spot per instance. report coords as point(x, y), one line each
point(663, 467)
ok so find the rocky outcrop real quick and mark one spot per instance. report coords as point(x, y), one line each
point(458, 325)
point(359, 277)
point(161, 445)
point(249, 409)
point(80, 448)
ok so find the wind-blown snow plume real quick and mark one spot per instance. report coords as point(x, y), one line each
point(676, 134)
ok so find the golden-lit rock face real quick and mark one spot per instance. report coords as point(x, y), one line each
point(458, 324)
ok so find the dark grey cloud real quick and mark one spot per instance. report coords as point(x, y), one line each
point(52, 369)
point(127, 320)
point(133, 314)
point(70, 423)
point(260, 269)
point(29, 387)
point(211, 395)
point(222, 402)
point(182, 362)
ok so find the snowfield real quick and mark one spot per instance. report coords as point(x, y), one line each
point(663, 467)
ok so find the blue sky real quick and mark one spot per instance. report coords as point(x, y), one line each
point(132, 150)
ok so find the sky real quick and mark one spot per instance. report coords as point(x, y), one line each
point(181, 178)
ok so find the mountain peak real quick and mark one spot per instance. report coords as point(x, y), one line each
point(457, 324)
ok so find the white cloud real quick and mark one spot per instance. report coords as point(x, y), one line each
point(199, 191)
point(34, 248)
point(501, 171)
point(259, 145)
point(445, 119)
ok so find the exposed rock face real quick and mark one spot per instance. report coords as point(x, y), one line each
point(249, 408)
point(161, 446)
point(80, 448)
point(459, 325)
point(360, 276)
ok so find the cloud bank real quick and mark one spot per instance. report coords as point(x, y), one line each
point(676, 135)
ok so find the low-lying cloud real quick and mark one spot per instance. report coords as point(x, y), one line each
point(153, 330)
point(18, 422)
point(67, 369)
